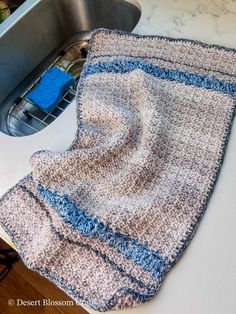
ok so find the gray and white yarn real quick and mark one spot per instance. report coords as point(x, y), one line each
point(106, 219)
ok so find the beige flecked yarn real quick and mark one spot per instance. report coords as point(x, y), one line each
point(106, 219)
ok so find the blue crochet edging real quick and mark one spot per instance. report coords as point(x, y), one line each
point(195, 42)
point(125, 66)
point(193, 228)
point(131, 249)
point(108, 305)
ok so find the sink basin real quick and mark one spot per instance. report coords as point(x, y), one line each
point(38, 35)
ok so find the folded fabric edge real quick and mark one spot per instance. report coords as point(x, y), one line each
point(112, 303)
point(170, 39)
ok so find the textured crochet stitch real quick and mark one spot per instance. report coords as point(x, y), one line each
point(107, 219)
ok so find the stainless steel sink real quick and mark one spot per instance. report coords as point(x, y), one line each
point(37, 35)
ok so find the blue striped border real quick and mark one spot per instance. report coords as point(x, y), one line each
point(102, 307)
point(119, 55)
point(131, 249)
point(87, 246)
point(125, 66)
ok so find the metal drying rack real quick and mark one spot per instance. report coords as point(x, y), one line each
point(25, 118)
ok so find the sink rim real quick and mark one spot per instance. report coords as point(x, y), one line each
point(28, 5)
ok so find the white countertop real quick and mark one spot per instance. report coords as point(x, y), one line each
point(204, 281)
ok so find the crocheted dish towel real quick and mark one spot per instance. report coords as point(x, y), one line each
point(106, 219)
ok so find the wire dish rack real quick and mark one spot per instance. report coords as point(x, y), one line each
point(24, 117)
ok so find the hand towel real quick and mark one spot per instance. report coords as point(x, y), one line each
point(108, 218)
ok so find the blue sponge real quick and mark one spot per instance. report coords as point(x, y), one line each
point(52, 86)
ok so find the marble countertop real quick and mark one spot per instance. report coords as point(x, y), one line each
point(209, 21)
point(204, 281)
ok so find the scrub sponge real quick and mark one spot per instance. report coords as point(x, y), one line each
point(53, 84)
